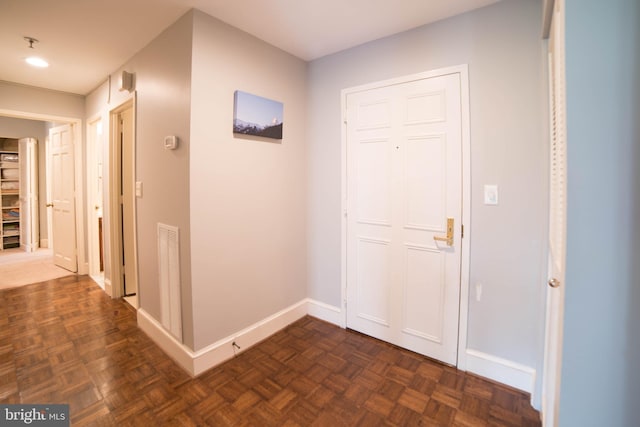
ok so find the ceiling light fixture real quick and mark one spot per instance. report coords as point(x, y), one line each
point(35, 60)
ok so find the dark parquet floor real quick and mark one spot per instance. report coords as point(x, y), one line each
point(65, 341)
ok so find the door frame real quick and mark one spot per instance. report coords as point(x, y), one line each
point(92, 173)
point(115, 286)
point(78, 153)
point(554, 32)
point(463, 71)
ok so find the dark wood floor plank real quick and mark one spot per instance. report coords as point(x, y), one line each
point(65, 341)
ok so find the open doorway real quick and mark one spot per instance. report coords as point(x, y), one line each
point(19, 124)
point(95, 199)
point(122, 228)
point(22, 183)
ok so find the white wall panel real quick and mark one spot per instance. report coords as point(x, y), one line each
point(373, 280)
point(373, 180)
point(424, 293)
point(425, 194)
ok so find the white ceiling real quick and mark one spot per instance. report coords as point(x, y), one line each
point(85, 40)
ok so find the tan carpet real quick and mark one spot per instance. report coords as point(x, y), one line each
point(19, 268)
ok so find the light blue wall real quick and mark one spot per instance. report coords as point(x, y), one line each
point(503, 46)
point(600, 380)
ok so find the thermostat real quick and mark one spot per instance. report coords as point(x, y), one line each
point(170, 142)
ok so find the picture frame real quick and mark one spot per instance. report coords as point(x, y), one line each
point(257, 116)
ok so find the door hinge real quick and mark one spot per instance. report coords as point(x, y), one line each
point(462, 232)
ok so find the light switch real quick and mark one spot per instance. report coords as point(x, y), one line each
point(171, 142)
point(138, 188)
point(490, 194)
point(478, 291)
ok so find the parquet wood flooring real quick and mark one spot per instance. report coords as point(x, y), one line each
point(65, 341)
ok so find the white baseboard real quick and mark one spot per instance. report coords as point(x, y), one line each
point(99, 279)
point(83, 268)
point(108, 287)
point(501, 370)
point(223, 349)
point(488, 366)
point(326, 312)
point(202, 360)
point(180, 353)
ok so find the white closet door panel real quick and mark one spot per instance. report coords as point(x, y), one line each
point(424, 293)
point(557, 220)
point(425, 182)
point(374, 280)
point(373, 182)
point(29, 230)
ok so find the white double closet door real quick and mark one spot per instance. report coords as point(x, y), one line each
point(29, 222)
point(404, 185)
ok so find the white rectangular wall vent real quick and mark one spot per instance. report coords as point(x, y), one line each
point(169, 278)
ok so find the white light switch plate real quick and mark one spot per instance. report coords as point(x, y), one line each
point(490, 194)
point(138, 188)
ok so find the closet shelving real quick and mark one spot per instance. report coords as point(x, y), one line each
point(10, 193)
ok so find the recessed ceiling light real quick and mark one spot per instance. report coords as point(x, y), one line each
point(37, 62)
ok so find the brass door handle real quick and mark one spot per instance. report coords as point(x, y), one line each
point(449, 238)
point(49, 205)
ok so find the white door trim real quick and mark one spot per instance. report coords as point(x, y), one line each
point(48, 190)
point(466, 193)
point(78, 144)
point(92, 174)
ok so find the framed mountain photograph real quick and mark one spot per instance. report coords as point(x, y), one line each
point(257, 116)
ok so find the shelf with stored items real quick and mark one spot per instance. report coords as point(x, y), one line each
point(10, 193)
point(19, 194)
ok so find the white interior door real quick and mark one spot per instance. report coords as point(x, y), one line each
point(29, 230)
point(63, 197)
point(404, 181)
point(557, 220)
